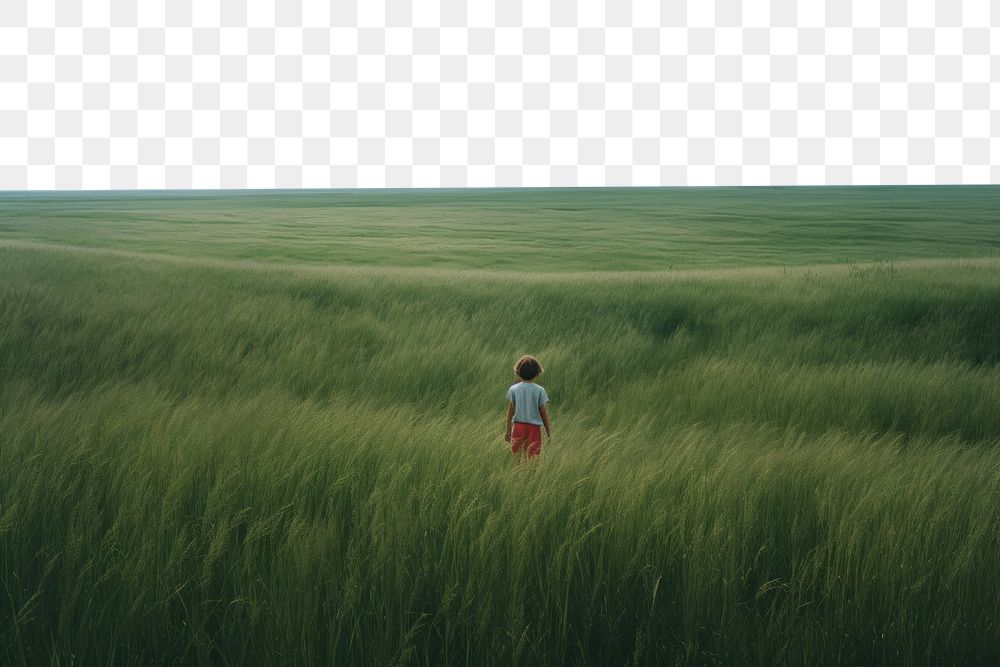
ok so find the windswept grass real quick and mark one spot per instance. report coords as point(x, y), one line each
point(203, 461)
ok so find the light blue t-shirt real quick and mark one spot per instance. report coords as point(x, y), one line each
point(527, 398)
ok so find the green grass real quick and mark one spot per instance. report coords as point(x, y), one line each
point(289, 459)
point(539, 230)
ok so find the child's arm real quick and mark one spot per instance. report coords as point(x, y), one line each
point(509, 424)
point(544, 414)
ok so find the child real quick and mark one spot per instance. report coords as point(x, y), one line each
point(526, 409)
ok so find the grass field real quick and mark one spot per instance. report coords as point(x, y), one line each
point(268, 427)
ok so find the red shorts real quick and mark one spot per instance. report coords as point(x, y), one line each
point(526, 438)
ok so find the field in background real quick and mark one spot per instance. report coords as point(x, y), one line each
point(268, 427)
point(525, 229)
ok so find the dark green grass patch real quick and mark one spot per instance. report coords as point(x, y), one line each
point(205, 462)
point(266, 427)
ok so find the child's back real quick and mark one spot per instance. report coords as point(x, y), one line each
point(526, 412)
point(527, 398)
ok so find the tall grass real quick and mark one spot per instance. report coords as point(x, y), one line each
point(212, 463)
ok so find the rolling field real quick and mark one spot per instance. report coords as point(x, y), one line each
point(267, 427)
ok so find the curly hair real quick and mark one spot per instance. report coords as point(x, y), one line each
point(528, 368)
